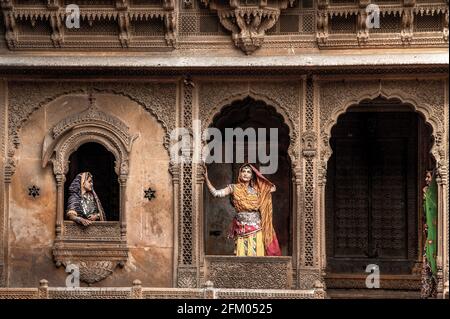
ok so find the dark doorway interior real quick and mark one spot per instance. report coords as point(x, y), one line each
point(219, 211)
point(373, 192)
point(96, 159)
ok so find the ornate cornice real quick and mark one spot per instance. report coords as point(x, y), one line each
point(125, 24)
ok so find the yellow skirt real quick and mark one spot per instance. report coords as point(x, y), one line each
point(251, 245)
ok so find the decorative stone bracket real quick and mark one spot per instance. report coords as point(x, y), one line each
point(11, 29)
point(248, 21)
point(94, 251)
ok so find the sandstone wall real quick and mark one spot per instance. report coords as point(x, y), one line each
point(150, 223)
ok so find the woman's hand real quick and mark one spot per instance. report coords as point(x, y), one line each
point(93, 217)
point(273, 189)
point(84, 222)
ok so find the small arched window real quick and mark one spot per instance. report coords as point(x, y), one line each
point(99, 143)
point(97, 160)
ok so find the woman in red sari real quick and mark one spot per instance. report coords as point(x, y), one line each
point(251, 227)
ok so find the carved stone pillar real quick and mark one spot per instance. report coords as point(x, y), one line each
point(187, 260)
point(442, 232)
point(199, 183)
point(443, 210)
point(174, 170)
point(3, 198)
point(9, 167)
point(298, 207)
point(321, 183)
point(60, 180)
point(446, 194)
point(440, 238)
point(309, 272)
point(123, 217)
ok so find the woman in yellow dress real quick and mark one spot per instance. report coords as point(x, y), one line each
point(251, 227)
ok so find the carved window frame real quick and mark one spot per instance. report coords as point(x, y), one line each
point(285, 96)
point(427, 97)
point(107, 240)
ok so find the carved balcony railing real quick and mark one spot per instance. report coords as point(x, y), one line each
point(366, 23)
point(95, 250)
point(166, 25)
point(89, 24)
point(136, 291)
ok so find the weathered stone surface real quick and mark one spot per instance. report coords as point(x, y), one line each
point(150, 223)
point(437, 57)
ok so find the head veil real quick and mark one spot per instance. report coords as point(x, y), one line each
point(263, 186)
point(76, 192)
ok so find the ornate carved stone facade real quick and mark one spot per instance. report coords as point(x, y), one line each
point(130, 102)
point(168, 25)
point(202, 98)
point(107, 242)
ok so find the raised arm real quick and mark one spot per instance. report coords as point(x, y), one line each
point(217, 193)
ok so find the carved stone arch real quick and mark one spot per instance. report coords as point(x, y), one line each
point(155, 110)
point(280, 109)
point(425, 96)
point(77, 138)
point(159, 99)
point(107, 239)
point(112, 145)
point(24, 109)
point(219, 269)
point(410, 101)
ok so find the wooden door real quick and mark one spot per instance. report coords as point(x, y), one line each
point(372, 193)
